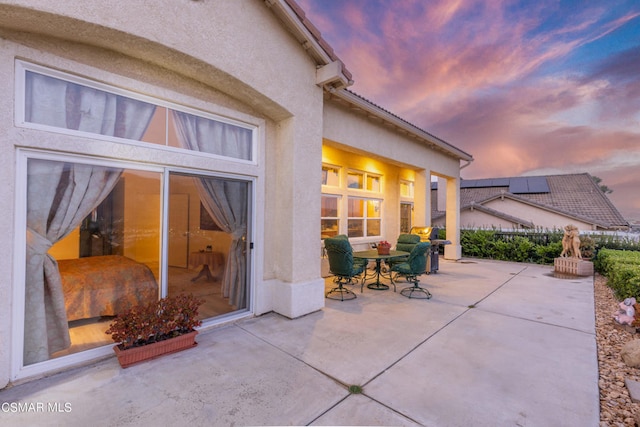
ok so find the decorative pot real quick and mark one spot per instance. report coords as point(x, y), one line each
point(383, 250)
point(134, 355)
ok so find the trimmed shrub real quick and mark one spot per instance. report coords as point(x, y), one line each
point(622, 269)
point(535, 246)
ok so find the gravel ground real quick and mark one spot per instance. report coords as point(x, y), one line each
point(616, 407)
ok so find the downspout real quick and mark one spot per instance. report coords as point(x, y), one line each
point(468, 163)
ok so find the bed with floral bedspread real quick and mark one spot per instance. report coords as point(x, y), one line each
point(105, 285)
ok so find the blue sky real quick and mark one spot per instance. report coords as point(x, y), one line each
point(527, 88)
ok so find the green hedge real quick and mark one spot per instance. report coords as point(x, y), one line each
point(622, 269)
point(518, 247)
point(617, 259)
point(536, 246)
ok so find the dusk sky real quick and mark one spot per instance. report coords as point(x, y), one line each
point(526, 87)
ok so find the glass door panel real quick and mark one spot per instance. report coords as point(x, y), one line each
point(213, 215)
point(93, 250)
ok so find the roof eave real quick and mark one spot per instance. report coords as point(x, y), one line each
point(331, 72)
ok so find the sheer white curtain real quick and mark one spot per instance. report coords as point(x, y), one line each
point(214, 137)
point(60, 195)
point(225, 200)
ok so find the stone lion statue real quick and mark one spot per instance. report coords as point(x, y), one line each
point(571, 242)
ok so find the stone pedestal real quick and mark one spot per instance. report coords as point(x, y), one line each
point(575, 266)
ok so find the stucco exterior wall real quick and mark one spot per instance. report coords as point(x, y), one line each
point(358, 133)
point(228, 58)
point(539, 217)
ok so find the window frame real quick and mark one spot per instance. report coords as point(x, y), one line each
point(366, 216)
point(366, 176)
point(22, 67)
point(336, 218)
point(326, 180)
point(411, 186)
point(410, 219)
point(406, 199)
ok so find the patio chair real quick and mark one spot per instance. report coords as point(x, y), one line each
point(413, 267)
point(343, 267)
point(406, 242)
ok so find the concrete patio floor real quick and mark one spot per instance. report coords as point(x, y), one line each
point(499, 344)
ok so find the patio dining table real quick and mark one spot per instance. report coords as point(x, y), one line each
point(373, 254)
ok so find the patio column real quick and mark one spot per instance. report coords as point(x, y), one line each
point(294, 286)
point(452, 218)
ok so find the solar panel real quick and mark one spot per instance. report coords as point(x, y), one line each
point(518, 185)
point(538, 184)
point(500, 182)
point(528, 185)
point(468, 183)
point(484, 183)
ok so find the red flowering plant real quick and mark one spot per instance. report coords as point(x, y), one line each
point(383, 247)
point(156, 321)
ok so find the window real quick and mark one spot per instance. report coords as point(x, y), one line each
point(364, 217)
point(103, 235)
point(82, 106)
point(355, 180)
point(406, 206)
point(329, 216)
point(373, 183)
point(331, 176)
point(406, 189)
point(406, 217)
point(363, 181)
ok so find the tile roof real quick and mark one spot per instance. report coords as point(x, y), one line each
point(316, 34)
point(575, 195)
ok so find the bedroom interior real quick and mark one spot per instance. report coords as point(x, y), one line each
point(111, 261)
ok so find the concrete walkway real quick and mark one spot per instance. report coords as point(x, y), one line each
point(499, 344)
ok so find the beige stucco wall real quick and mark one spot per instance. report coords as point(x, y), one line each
point(539, 217)
point(356, 131)
point(228, 58)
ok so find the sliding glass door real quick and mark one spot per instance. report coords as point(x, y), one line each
point(103, 236)
point(207, 241)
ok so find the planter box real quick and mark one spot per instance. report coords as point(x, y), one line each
point(134, 355)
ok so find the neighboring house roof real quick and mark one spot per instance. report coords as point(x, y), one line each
point(573, 195)
point(335, 78)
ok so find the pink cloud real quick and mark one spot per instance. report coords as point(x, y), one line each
point(470, 72)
